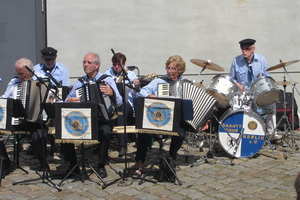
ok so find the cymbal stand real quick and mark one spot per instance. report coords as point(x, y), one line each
point(194, 81)
point(294, 145)
point(286, 126)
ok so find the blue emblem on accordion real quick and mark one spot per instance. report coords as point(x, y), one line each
point(158, 114)
point(76, 123)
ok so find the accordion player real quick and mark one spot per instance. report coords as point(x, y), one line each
point(90, 92)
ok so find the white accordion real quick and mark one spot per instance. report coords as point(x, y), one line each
point(203, 102)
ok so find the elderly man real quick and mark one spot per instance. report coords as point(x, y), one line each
point(91, 66)
point(248, 67)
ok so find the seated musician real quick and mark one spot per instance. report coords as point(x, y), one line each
point(175, 67)
point(91, 65)
point(248, 67)
point(22, 74)
point(118, 73)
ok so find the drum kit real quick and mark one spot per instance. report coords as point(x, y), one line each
point(242, 128)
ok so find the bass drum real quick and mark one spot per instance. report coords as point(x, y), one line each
point(242, 133)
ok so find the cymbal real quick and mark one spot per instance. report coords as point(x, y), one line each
point(286, 83)
point(280, 65)
point(208, 64)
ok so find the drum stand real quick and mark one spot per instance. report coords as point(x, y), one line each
point(210, 153)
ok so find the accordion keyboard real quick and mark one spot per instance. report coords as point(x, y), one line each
point(163, 89)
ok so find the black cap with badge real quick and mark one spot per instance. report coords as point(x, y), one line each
point(247, 42)
point(49, 53)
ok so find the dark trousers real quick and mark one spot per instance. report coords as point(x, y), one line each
point(4, 159)
point(39, 140)
point(123, 138)
point(104, 131)
point(144, 140)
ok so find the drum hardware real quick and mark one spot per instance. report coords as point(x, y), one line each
point(45, 177)
point(223, 89)
point(237, 142)
point(264, 91)
point(212, 142)
point(286, 125)
point(241, 101)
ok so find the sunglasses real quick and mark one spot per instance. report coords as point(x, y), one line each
point(247, 48)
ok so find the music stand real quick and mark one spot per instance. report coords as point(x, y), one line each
point(77, 123)
point(158, 116)
point(10, 109)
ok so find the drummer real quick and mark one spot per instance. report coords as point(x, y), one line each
point(248, 67)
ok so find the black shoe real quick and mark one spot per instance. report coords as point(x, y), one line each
point(174, 156)
point(122, 152)
point(44, 167)
point(102, 172)
point(43, 164)
point(30, 150)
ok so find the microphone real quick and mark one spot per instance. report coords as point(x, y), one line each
point(113, 51)
point(131, 68)
point(29, 69)
point(52, 78)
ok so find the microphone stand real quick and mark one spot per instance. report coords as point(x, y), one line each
point(45, 175)
point(123, 175)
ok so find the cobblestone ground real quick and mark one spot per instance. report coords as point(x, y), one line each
point(267, 175)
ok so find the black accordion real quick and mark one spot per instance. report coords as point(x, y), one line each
point(90, 92)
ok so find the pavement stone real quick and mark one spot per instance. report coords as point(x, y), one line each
point(259, 177)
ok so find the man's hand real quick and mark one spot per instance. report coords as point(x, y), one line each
point(106, 89)
point(73, 99)
point(136, 83)
point(241, 87)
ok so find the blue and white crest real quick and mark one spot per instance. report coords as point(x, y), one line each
point(158, 114)
point(76, 123)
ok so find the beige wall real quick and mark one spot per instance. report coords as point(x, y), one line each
point(148, 32)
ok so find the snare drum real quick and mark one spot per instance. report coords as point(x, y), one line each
point(223, 89)
point(242, 133)
point(265, 91)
